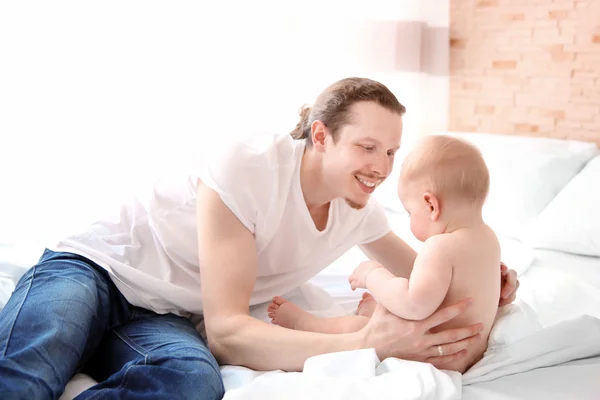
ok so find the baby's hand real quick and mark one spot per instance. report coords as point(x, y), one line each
point(358, 279)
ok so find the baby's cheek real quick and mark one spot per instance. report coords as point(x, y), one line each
point(417, 230)
point(414, 228)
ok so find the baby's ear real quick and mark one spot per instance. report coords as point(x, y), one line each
point(433, 205)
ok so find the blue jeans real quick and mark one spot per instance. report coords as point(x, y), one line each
point(66, 316)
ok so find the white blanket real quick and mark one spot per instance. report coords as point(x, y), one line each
point(518, 343)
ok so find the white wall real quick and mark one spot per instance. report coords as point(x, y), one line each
point(97, 99)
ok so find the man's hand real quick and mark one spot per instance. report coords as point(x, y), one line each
point(358, 279)
point(509, 285)
point(392, 336)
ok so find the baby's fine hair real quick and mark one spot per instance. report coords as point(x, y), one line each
point(448, 167)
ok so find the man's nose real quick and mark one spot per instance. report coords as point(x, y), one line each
point(383, 165)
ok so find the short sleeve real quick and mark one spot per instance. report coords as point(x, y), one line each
point(234, 174)
point(375, 223)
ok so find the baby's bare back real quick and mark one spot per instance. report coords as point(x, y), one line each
point(476, 274)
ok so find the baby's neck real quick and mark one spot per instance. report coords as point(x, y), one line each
point(462, 219)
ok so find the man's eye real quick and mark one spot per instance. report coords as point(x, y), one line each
point(369, 148)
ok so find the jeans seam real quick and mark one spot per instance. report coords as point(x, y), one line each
point(127, 340)
point(14, 321)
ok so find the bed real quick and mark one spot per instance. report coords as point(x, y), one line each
point(543, 204)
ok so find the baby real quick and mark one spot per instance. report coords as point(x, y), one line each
point(443, 185)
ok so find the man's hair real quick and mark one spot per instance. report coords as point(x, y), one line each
point(450, 168)
point(332, 107)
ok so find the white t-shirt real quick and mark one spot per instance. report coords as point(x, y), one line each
point(150, 249)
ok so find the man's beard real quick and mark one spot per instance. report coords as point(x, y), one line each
point(354, 205)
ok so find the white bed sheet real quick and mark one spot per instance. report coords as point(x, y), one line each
point(572, 380)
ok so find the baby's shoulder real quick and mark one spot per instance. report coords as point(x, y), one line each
point(476, 243)
point(485, 237)
point(479, 234)
point(439, 245)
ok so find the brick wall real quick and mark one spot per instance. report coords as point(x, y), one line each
point(527, 67)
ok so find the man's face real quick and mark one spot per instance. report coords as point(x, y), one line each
point(363, 155)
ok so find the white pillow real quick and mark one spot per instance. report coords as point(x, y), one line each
point(526, 173)
point(571, 222)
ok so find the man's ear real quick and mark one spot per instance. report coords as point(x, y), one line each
point(318, 132)
point(433, 205)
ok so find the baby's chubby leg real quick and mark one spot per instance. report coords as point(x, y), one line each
point(288, 315)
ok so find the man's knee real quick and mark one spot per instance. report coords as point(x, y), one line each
point(57, 302)
point(74, 293)
point(200, 375)
point(69, 280)
point(18, 382)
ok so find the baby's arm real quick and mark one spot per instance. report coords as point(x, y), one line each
point(420, 296)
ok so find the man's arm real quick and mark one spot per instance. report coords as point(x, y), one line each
point(228, 268)
point(420, 296)
point(393, 253)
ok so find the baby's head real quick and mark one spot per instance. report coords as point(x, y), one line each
point(443, 181)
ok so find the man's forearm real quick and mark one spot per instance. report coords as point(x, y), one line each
point(393, 293)
point(344, 324)
point(255, 344)
point(393, 253)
